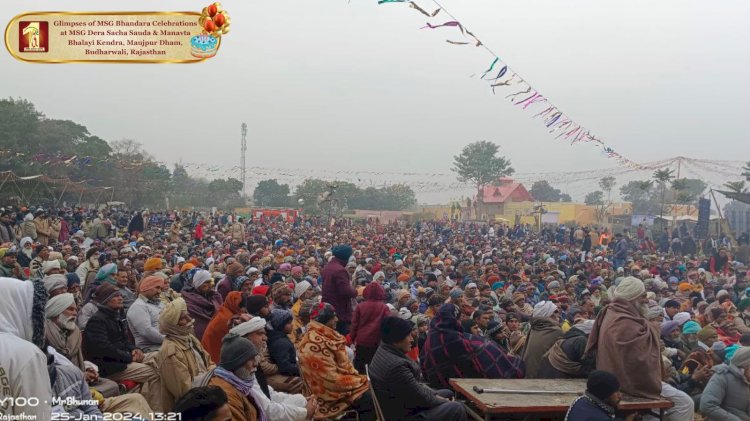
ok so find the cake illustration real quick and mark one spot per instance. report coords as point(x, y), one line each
point(204, 46)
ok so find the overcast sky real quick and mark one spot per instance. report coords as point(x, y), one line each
point(326, 84)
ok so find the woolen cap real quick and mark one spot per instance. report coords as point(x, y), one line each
point(394, 329)
point(235, 352)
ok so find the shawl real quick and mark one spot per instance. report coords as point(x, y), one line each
point(245, 387)
point(628, 346)
point(219, 324)
point(201, 308)
point(449, 352)
point(328, 370)
point(543, 334)
point(67, 343)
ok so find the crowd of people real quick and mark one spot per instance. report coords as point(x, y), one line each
point(216, 317)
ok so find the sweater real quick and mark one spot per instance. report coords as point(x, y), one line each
point(143, 320)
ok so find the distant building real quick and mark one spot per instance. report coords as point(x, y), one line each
point(496, 197)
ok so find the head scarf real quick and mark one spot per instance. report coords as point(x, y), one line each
point(630, 289)
point(544, 309)
point(301, 288)
point(234, 301)
point(169, 319)
point(705, 333)
point(57, 304)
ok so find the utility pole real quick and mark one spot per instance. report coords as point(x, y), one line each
point(243, 169)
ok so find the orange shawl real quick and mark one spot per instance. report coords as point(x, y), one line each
point(219, 324)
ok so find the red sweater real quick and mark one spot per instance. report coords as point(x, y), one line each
point(368, 316)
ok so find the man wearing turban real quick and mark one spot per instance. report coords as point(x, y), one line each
point(61, 330)
point(626, 344)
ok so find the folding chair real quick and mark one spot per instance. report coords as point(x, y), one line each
point(375, 403)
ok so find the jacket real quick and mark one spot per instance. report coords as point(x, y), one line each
point(105, 342)
point(281, 351)
point(368, 316)
point(397, 383)
point(7, 235)
point(589, 408)
point(237, 232)
point(54, 230)
point(337, 289)
point(178, 367)
point(143, 320)
point(28, 229)
point(241, 407)
point(726, 397)
point(42, 230)
point(70, 383)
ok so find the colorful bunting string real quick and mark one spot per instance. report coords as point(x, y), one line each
point(553, 118)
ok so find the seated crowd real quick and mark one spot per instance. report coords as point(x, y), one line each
point(306, 327)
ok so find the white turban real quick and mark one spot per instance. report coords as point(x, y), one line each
point(404, 313)
point(681, 317)
point(630, 288)
point(250, 326)
point(378, 275)
point(24, 241)
point(57, 304)
point(201, 277)
point(49, 265)
point(544, 309)
point(89, 365)
point(53, 282)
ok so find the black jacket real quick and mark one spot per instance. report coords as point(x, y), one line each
point(396, 380)
point(105, 342)
point(282, 352)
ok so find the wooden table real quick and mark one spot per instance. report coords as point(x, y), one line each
point(495, 404)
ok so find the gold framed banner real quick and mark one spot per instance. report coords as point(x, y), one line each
point(113, 37)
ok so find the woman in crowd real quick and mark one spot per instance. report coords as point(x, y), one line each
point(219, 325)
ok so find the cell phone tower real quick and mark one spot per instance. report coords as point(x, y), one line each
point(243, 170)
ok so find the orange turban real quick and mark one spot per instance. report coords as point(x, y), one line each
point(153, 263)
point(150, 282)
point(187, 266)
point(684, 287)
point(403, 277)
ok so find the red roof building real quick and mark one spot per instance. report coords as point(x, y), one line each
point(494, 197)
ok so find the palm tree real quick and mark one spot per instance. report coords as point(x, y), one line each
point(663, 177)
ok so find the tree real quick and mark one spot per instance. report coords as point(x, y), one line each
point(746, 171)
point(663, 177)
point(311, 191)
point(542, 191)
point(607, 184)
point(594, 198)
point(639, 194)
point(736, 186)
point(271, 193)
point(565, 197)
point(479, 165)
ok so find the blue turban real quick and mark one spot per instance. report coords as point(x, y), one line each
point(343, 252)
